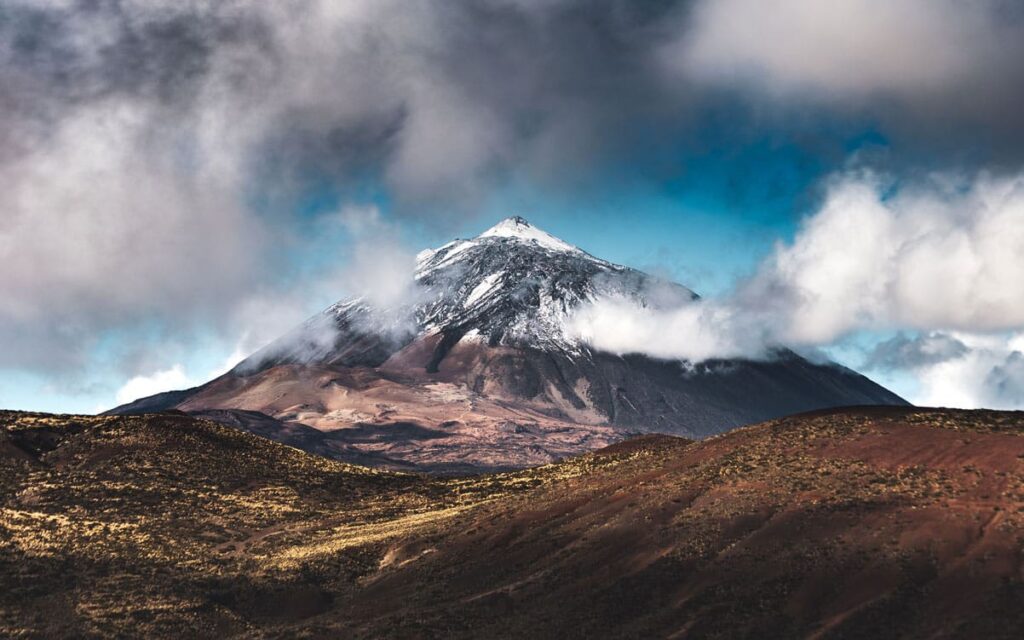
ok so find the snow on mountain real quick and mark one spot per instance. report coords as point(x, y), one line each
point(486, 286)
point(519, 229)
point(517, 285)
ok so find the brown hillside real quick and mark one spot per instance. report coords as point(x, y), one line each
point(860, 523)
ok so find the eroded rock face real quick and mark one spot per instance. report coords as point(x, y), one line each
point(483, 341)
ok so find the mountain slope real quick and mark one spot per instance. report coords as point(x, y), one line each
point(862, 523)
point(481, 358)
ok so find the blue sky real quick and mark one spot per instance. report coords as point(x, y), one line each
point(185, 181)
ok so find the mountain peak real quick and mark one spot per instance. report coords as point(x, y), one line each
point(510, 225)
point(517, 228)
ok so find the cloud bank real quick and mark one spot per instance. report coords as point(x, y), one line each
point(912, 352)
point(965, 370)
point(939, 255)
point(156, 156)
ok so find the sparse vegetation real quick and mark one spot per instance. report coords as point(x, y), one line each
point(854, 523)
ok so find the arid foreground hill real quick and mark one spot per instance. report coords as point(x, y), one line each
point(864, 523)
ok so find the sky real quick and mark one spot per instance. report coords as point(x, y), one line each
point(181, 182)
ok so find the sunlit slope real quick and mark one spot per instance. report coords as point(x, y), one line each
point(866, 523)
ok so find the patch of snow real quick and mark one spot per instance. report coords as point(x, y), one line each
point(473, 336)
point(425, 255)
point(446, 255)
point(482, 289)
point(519, 229)
point(347, 305)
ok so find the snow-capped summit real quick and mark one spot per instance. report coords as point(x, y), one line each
point(517, 228)
point(510, 236)
point(517, 285)
point(514, 285)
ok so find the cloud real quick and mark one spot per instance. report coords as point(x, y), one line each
point(93, 235)
point(939, 259)
point(159, 381)
point(911, 352)
point(435, 99)
point(862, 47)
point(984, 370)
point(381, 294)
point(172, 378)
point(157, 157)
point(940, 253)
point(380, 269)
point(381, 272)
point(946, 253)
point(153, 154)
point(693, 331)
point(1004, 383)
point(927, 69)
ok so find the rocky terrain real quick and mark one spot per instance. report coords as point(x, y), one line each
point(479, 369)
point(854, 523)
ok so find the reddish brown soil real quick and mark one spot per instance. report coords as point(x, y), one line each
point(452, 427)
point(861, 523)
point(850, 524)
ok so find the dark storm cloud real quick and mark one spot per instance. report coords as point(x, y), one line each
point(934, 75)
point(912, 352)
point(441, 100)
point(1005, 382)
point(135, 135)
point(437, 99)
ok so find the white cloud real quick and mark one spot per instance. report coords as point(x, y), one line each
point(902, 351)
point(693, 331)
point(945, 254)
point(237, 355)
point(990, 373)
point(156, 382)
point(173, 378)
point(99, 233)
point(380, 268)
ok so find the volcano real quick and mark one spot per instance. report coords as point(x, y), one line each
point(479, 370)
